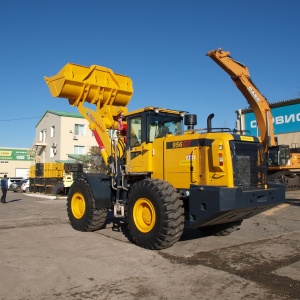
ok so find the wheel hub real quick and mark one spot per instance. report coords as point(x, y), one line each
point(144, 215)
point(78, 205)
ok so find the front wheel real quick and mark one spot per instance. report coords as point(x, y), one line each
point(155, 214)
point(81, 208)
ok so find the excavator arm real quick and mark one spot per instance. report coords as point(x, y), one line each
point(241, 77)
point(109, 92)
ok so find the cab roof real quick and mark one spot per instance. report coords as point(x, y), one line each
point(159, 109)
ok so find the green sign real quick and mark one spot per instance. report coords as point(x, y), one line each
point(15, 154)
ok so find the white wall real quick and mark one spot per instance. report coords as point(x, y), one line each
point(64, 136)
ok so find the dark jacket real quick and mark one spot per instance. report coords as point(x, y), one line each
point(4, 183)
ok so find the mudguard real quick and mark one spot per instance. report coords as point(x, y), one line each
point(100, 185)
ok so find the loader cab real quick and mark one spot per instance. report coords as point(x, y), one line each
point(144, 128)
point(278, 155)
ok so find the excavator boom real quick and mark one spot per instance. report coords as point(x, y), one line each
point(283, 165)
point(241, 77)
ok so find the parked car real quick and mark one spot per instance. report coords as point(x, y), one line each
point(20, 186)
point(25, 186)
point(12, 181)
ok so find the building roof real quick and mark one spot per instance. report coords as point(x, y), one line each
point(285, 102)
point(276, 104)
point(72, 158)
point(65, 114)
point(68, 161)
point(61, 114)
point(65, 161)
point(75, 156)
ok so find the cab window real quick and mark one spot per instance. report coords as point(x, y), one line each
point(135, 125)
point(163, 124)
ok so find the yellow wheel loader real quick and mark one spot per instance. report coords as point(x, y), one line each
point(161, 176)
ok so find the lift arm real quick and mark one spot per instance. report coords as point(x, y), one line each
point(97, 85)
point(241, 77)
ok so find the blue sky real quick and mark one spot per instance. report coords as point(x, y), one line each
point(161, 45)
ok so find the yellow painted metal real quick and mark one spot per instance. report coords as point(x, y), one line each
point(53, 170)
point(183, 166)
point(91, 84)
point(32, 171)
point(151, 108)
point(217, 149)
point(139, 158)
point(110, 92)
point(78, 205)
point(144, 215)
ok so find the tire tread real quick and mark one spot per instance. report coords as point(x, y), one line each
point(172, 222)
point(94, 219)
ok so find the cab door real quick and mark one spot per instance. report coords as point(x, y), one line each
point(135, 142)
point(139, 152)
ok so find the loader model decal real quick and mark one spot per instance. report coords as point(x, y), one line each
point(189, 143)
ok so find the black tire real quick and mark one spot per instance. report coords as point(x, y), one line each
point(220, 229)
point(81, 209)
point(155, 214)
point(18, 189)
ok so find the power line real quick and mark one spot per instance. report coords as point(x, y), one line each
point(19, 119)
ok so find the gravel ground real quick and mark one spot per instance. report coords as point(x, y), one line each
point(42, 257)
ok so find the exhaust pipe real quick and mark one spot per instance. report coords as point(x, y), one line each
point(209, 127)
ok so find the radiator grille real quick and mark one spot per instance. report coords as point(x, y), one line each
point(249, 164)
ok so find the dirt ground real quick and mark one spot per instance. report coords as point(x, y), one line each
point(43, 258)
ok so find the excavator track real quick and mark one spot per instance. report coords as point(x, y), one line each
point(290, 179)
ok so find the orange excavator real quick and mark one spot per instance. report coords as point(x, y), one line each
point(283, 164)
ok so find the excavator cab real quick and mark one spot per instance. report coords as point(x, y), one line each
point(278, 155)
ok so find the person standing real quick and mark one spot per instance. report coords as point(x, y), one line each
point(4, 187)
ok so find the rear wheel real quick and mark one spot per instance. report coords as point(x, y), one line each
point(155, 214)
point(81, 208)
point(221, 229)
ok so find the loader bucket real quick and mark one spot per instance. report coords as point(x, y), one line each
point(91, 84)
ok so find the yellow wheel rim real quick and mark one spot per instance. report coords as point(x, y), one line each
point(78, 205)
point(144, 215)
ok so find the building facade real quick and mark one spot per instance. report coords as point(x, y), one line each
point(286, 121)
point(15, 162)
point(60, 134)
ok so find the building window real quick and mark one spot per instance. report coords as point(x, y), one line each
point(52, 133)
point(79, 129)
point(52, 151)
point(79, 150)
point(42, 137)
